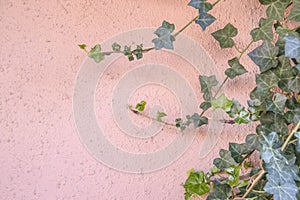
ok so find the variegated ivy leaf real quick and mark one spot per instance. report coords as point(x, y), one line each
point(165, 38)
point(205, 20)
point(202, 5)
point(295, 13)
point(264, 31)
point(236, 68)
point(292, 47)
point(264, 56)
point(224, 36)
point(96, 54)
point(276, 9)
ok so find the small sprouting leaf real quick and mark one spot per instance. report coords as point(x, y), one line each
point(205, 20)
point(222, 102)
point(160, 115)
point(82, 46)
point(201, 5)
point(225, 159)
point(234, 172)
point(236, 68)
point(196, 183)
point(280, 189)
point(292, 47)
point(96, 53)
point(141, 106)
point(221, 191)
point(205, 105)
point(276, 9)
point(264, 32)
point(116, 47)
point(207, 83)
point(180, 124)
point(297, 135)
point(224, 36)
point(165, 39)
point(295, 13)
point(278, 104)
point(265, 56)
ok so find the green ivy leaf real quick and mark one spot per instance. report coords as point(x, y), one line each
point(224, 36)
point(222, 102)
point(297, 135)
point(96, 54)
point(237, 151)
point(197, 120)
point(160, 115)
point(207, 83)
point(265, 82)
point(264, 56)
point(205, 105)
point(201, 5)
point(138, 52)
point(205, 20)
point(180, 124)
point(243, 117)
point(264, 31)
point(236, 68)
point(196, 184)
point(292, 47)
point(141, 106)
point(165, 39)
point(266, 2)
point(276, 9)
point(116, 47)
point(277, 105)
point(270, 147)
point(221, 192)
point(283, 32)
point(225, 160)
point(127, 52)
point(82, 46)
point(295, 13)
point(234, 172)
point(280, 189)
point(294, 84)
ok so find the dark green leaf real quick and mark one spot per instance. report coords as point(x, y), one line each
point(276, 9)
point(266, 2)
point(160, 115)
point(224, 36)
point(236, 68)
point(295, 13)
point(252, 143)
point(207, 83)
point(205, 20)
point(294, 84)
point(265, 56)
point(138, 52)
point(297, 135)
point(264, 31)
point(278, 104)
point(221, 192)
point(237, 151)
point(225, 160)
point(292, 47)
point(180, 124)
point(96, 54)
point(205, 105)
point(265, 82)
point(222, 102)
point(198, 120)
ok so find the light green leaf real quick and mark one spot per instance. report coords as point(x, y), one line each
point(96, 53)
point(224, 36)
point(236, 68)
point(160, 115)
point(141, 106)
point(264, 56)
point(222, 102)
point(264, 31)
point(234, 172)
point(196, 184)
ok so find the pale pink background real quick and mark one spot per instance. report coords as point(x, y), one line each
point(41, 154)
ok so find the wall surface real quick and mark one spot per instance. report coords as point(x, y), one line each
point(41, 154)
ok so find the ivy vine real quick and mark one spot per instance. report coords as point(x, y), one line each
point(274, 103)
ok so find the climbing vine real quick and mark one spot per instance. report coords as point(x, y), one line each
point(274, 103)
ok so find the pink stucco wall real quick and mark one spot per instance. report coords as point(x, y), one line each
point(41, 154)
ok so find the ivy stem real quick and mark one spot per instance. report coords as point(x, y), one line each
point(183, 28)
point(244, 50)
point(260, 175)
point(221, 86)
point(237, 49)
point(215, 3)
point(290, 136)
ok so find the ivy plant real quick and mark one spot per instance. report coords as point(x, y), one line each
point(274, 105)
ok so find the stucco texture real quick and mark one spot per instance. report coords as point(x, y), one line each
point(41, 154)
